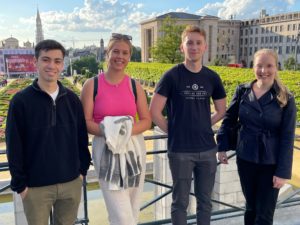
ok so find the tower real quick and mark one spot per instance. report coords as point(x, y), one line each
point(39, 36)
point(101, 50)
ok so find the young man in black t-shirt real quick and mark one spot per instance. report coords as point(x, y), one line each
point(186, 90)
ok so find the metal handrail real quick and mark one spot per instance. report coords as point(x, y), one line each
point(216, 215)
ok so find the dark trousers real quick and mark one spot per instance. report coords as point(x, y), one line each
point(261, 197)
point(203, 167)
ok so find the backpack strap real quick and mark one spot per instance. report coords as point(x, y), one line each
point(134, 89)
point(95, 86)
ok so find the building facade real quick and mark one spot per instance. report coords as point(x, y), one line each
point(280, 32)
point(234, 40)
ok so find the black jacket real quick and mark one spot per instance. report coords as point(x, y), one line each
point(267, 131)
point(47, 141)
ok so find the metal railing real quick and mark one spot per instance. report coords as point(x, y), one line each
point(233, 210)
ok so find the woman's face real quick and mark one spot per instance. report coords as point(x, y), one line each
point(265, 68)
point(119, 55)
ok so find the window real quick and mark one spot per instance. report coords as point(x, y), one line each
point(288, 38)
point(288, 27)
point(293, 49)
point(294, 26)
point(271, 39)
point(256, 40)
point(246, 41)
point(281, 28)
point(256, 30)
point(276, 28)
point(262, 40)
point(276, 39)
point(246, 32)
point(241, 41)
point(287, 50)
point(241, 32)
point(266, 40)
point(262, 30)
point(251, 40)
point(280, 39)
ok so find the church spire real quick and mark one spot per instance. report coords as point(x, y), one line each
point(39, 36)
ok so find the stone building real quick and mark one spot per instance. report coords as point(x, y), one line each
point(233, 40)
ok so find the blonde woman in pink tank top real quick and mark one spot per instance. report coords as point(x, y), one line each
point(115, 98)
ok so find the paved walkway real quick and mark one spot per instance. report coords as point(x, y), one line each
point(283, 216)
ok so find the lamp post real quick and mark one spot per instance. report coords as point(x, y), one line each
point(296, 49)
point(7, 69)
point(71, 69)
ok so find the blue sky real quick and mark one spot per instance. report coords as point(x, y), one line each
point(86, 21)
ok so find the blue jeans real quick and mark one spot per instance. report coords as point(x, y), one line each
point(202, 166)
point(261, 197)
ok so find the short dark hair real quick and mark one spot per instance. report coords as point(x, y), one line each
point(47, 45)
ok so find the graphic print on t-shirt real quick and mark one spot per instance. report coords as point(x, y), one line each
point(194, 92)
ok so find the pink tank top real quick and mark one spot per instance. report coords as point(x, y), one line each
point(114, 100)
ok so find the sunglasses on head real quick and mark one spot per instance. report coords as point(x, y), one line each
point(121, 36)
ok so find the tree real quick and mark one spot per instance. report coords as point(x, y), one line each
point(86, 64)
point(136, 54)
point(166, 49)
point(289, 64)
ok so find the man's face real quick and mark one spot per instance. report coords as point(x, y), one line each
point(193, 46)
point(50, 64)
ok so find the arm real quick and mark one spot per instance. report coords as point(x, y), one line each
point(87, 101)
point(157, 105)
point(14, 132)
point(231, 117)
point(83, 141)
point(287, 135)
point(220, 109)
point(144, 122)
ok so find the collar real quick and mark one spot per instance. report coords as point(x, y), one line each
point(62, 89)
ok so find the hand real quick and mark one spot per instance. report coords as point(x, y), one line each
point(24, 193)
point(81, 177)
point(222, 157)
point(278, 182)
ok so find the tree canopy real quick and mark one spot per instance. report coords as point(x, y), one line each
point(85, 64)
point(166, 49)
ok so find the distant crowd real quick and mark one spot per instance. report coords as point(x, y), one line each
point(3, 83)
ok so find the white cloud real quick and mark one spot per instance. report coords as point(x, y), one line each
point(245, 9)
point(93, 16)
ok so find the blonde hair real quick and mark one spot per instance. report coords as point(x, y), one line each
point(191, 29)
point(283, 93)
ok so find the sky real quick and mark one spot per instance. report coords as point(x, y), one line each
point(78, 23)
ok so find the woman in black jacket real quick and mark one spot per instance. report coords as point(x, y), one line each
point(265, 112)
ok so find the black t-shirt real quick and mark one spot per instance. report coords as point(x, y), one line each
point(188, 107)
